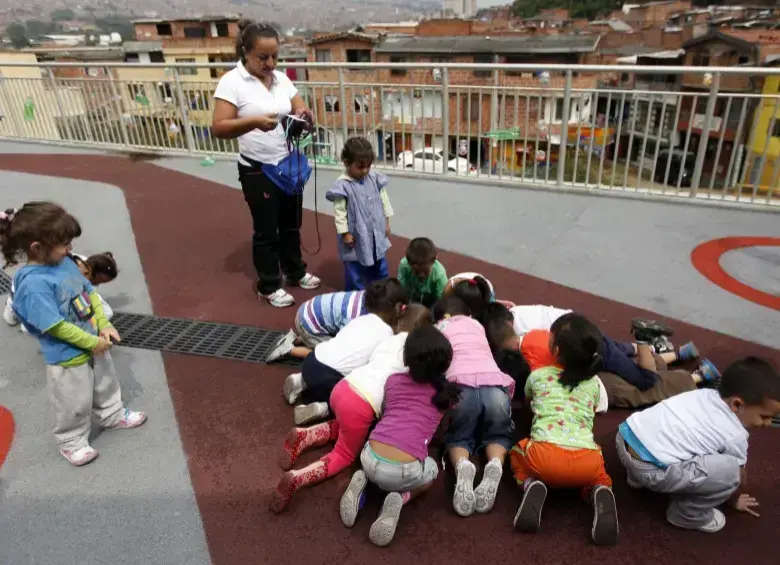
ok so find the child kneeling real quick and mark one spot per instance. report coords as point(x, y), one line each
point(396, 455)
point(694, 446)
point(561, 451)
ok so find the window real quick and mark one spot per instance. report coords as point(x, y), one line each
point(322, 55)
point(194, 32)
point(332, 103)
point(398, 72)
point(197, 101)
point(743, 60)
point(484, 58)
point(470, 111)
point(156, 57)
point(361, 103)
point(515, 61)
point(776, 129)
point(164, 29)
point(190, 71)
point(701, 59)
point(222, 29)
point(358, 55)
point(558, 115)
point(137, 92)
point(131, 58)
point(166, 93)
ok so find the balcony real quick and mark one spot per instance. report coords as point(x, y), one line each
point(553, 130)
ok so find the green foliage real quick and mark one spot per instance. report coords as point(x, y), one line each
point(17, 33)
point(62, 15)
point(581, 9)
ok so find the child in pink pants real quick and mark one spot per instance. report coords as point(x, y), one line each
point(356, 402)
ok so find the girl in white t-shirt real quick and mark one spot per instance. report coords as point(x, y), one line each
point(249, 104)
point(356, 402)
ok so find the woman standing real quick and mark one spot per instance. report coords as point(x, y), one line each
point(249, 102)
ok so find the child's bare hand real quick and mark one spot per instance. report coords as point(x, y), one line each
point(102, 346)
point(348, 239)
point(387, 228)
point(110, 334)
point(746, 503)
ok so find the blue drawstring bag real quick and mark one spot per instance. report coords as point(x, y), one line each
point(291, 174)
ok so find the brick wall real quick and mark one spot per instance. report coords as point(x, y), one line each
point(444, 28)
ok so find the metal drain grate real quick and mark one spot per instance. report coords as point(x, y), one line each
point(5, 283)
point(190, 337)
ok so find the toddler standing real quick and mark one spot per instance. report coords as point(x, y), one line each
point(61, 308)
point(362, 212)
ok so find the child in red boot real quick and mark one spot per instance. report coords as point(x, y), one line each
point(355, 402)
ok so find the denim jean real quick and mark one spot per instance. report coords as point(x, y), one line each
point(484, 414)
point(397, 477)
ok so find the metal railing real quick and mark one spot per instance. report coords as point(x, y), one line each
point(554, 126)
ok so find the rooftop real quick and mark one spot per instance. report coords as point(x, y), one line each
point(495, 44)
point(205, 18)
point(191, 487)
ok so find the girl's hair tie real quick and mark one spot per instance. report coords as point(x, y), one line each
point(473, 282)
point(4, 215)
point(447, 316)
point(403, 308)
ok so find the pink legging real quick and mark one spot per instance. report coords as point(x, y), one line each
point(354, 416)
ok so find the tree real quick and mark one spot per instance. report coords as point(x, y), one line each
point(17, 33)
point(62, 15)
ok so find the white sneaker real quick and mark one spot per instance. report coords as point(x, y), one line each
point(307, 413)
point(463, 501)
point(79, 457)
point(486, 492)
point(8, 313)
point(309, 282)
point(130, 419)
point(279, 299)
point(715, 525)
point(293, 387)
point(282, 347)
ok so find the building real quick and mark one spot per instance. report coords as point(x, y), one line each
point(762, 165)
point(35, 106)
point(651, 14)
point(460, 8)
point(485, 109)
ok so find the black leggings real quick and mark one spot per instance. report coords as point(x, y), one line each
point(276, 221)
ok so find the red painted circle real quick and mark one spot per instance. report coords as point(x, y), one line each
point(706, 258)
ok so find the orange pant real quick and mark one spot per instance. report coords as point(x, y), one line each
point(557, 466)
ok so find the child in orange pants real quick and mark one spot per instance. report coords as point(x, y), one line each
point(561, 451)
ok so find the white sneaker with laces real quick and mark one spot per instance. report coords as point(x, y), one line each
point(8, 313)
point(81, 456)
point(309, 282)
point(282, 347)
point(279, 299)
point(293, 387)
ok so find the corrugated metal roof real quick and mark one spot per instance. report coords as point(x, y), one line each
point(340, 36)
point(496, 44)
point(614, 25)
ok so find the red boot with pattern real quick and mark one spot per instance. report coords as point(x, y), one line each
point(301, 439)
point(293, 481)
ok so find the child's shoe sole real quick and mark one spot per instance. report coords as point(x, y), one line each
point(529, 514)
point(605, 521)
point(350, 501)
point(383, 529)
point(291, 449)
point(306, 414)
point(291, 390)
point(283, 493)
point(463, 500)
point(485, 493)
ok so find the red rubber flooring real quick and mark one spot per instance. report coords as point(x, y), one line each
point(193, 238)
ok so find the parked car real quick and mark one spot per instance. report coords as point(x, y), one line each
point(675, 167)
point(430, 160)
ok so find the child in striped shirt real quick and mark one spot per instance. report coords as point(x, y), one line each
point(317, 321)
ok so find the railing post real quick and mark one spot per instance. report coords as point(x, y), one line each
point(445, 119)
point(118, 106)
point(345, 105)
point(183, 108)
point(705, 133)
point(11, 110)
point(564, 131)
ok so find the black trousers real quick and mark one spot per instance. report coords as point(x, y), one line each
point(320, 379)
point(276, 223)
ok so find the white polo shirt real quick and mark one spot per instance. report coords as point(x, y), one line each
point(353, 345)
point(252, 98)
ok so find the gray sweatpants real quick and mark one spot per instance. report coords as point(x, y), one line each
point(696, 486)
point(76, 393)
